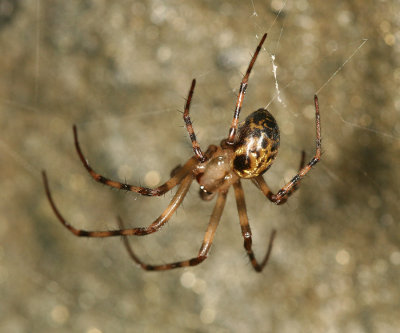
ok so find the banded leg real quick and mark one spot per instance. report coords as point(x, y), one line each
point(262, 185)
point(246, 231)
point(204, 249)
point(160, 190)
point(286, 190)
point(196, 147)
point(242, 92)
point(153, 227)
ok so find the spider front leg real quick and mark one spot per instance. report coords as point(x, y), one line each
point(204, 249)
point(241, 94)
point(160, 190)
point(196, 147)
point(262, 185)
point(283, 194)
point(141, 231)
point(246, 231)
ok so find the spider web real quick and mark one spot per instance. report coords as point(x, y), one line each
point(123, 128)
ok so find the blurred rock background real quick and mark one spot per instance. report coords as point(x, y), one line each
point(120, 71)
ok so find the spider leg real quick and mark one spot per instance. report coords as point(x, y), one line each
point(160, 190)
point(246, 231)
point(242, 92)
point(153, 227)
point(285, 191)
point(262, 185)
point(204, 249)
point(196, 147)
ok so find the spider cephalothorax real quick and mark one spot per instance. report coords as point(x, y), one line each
point(247, 153)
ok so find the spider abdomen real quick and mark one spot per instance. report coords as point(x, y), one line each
point(256, 144)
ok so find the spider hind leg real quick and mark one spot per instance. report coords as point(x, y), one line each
point(204, 249)
point(246, 231)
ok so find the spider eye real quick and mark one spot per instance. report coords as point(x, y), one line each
point(256, 144)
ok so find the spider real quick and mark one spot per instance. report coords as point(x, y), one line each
point(248, 152)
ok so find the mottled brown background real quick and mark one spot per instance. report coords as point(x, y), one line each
point(120, 70)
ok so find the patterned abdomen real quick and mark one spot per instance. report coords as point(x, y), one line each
point(256, 144)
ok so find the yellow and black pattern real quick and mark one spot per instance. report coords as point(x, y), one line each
point(256, 144)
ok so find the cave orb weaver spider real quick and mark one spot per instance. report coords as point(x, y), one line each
point(247, 153)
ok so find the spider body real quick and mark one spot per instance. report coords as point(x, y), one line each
point(256, 144)
point(251, 155)
point(216, 174)
point(247, 153)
